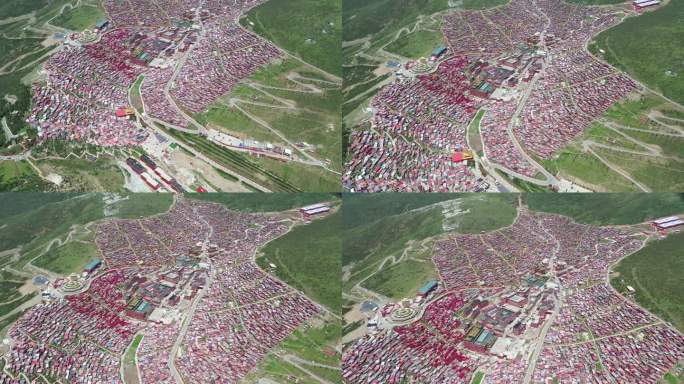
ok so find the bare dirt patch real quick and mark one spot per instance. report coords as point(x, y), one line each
point(183, 164)
point(11, 98)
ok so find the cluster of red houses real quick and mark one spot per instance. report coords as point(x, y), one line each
point(87, 84)
point(416, 120)
point(208, 75)
point(244, 307)
point(500, 289)
point(242, 314)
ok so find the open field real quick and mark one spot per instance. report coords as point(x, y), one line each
point(637, 125)
point(655, 273)
point(309, 342)
point(35, 227)
point(308, 258)
point(313, 127)
point(417, 44)
point(11, 84)
point(138, 205)
point(483, 4)
point(129, 367)
point(363, 208)
point(29, 200)
point(8, 290)
point(136, 99)
point(474, 133)
point(13, 8)
point(310, 29)
point(18, 176)
point(277, 368)
point(10, 306)
point(267, 202)
point(300, 103)
point(129, 357)
point(306, 343)
point(308, 178)
point(477, 378)
point(649, 48)
point(587, 170)
point(675, 376)
point(362, 18)
point(13, 48)
point(79, 18)
point(68, 258)
point(607, 209)
point(100, 175)
point(230, 120)
point(401, 280)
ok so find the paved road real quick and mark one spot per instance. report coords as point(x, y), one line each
point(557, 304)
point(193, 308)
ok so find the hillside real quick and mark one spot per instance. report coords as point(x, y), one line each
point(607, 208)
point(649, 47)
point(655, 272)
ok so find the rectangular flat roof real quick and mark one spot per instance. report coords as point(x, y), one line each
point(317, 210)
point(439, 50)
point(665, 219)
point(671, 224)
point(93, 264)
point(428, 286)
point(648, 3)
point(314, 206)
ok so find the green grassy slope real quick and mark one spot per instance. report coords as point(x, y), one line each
point(68, 258)
point(79, 18)
point(13, 8)
point(29, 200)
point(142, 205)
point(362, 18)
point(362, 208)
point(655, 272)
point(649, 45)
point(308, 258)
point(311, 29)
point(35, 226)
point(267, 202)
point(484, 4)
point(417, 44)
point(383, 225)
point(607, 208)
point(402, 279)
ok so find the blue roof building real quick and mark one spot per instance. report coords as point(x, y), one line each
point(427, 288)
point(92, 265)
point(439, 51)
point(102, 24)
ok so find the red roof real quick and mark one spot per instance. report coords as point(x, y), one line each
point(457, 157)
point(201, 190)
